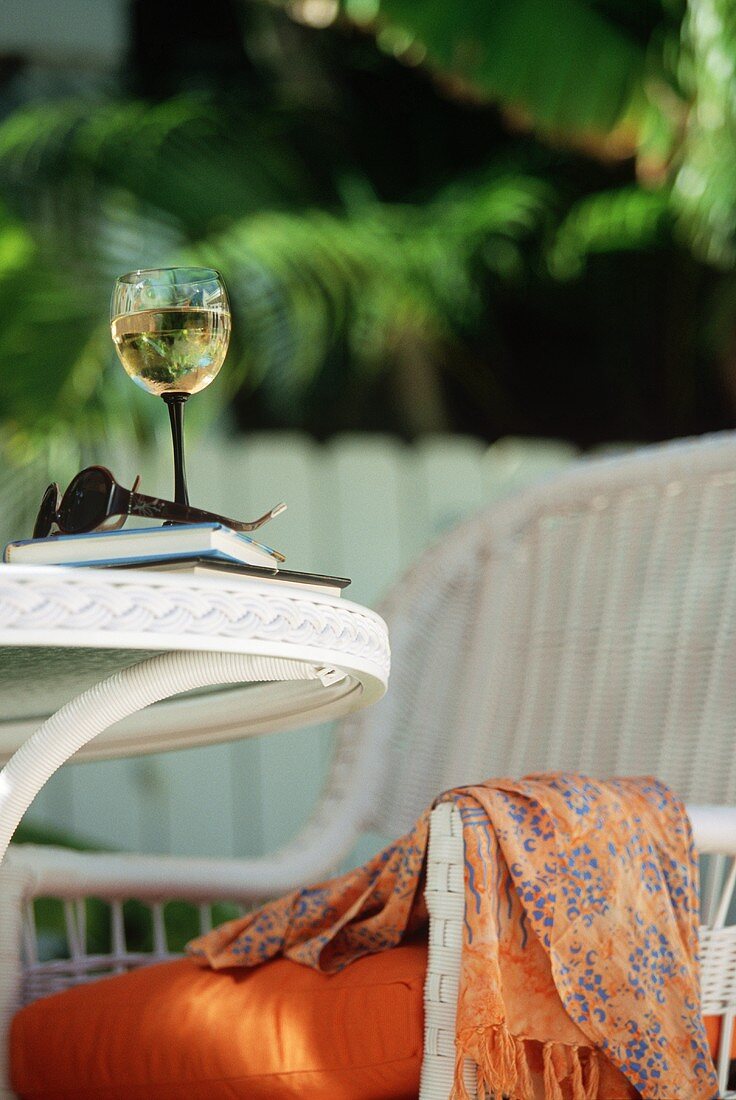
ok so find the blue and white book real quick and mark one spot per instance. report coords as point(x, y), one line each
point(181, 540)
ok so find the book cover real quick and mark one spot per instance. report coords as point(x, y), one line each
point(103, 547)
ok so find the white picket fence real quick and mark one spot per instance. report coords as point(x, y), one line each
point(362, 506)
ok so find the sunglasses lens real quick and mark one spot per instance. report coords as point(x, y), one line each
point(46, 513)
point(84, 504)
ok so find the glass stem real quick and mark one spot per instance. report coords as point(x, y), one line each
point(175, 403)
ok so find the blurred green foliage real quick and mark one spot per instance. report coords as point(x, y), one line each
point(516, 216)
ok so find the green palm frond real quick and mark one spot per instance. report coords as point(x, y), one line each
point(570, 67)
point(184, 156)
point(628, 218)
point(574, 68)
point(304, 283)
point(56, 392)
point(104, 190)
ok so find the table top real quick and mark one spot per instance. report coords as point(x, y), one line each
point(64, 629)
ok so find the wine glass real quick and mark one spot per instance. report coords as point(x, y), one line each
point(171, 329)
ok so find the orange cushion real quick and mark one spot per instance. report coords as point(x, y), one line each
point(281, 1030)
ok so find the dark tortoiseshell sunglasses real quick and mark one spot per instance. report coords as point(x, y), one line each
point(94, 497)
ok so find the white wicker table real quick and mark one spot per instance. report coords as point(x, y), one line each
point(84, 651)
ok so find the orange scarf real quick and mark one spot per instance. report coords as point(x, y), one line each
point(579, 967)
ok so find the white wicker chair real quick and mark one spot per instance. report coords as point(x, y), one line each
point(587, 624)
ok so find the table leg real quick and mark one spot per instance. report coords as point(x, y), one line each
point(121, 695)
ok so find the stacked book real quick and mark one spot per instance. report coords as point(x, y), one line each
point(199, 548)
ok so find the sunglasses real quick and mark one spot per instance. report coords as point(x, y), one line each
point(94, 497)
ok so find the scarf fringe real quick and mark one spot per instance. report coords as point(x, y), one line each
point(496, 1066)
point(503, 1070)
point(524, 1083)
point(578, 1088)
point(552, 1089)
point(594, 1076)
point(459, 1090)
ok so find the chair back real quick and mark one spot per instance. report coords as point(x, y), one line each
point(588, 623)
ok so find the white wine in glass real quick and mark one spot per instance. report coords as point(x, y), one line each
point(171, 329)
point(172, 350)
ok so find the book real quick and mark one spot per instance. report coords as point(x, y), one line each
point(201, 566)
point(211, 540)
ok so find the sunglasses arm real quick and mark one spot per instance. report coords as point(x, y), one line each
point(139, 504)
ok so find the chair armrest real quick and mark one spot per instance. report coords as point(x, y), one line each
point(445, 897)
point(313, 854)
point(64, 873)
point(714, 829)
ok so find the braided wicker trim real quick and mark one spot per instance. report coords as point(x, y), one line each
point(32, 600)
